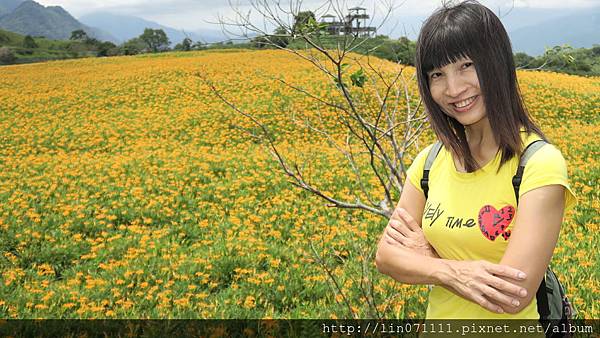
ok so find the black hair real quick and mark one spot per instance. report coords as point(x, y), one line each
point(471, 30)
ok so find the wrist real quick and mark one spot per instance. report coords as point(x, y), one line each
point(445, 274)
point(429, 252)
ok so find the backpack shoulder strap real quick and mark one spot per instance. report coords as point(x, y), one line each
point(541, 296)
point(433, 152)
point(527, 153)
point(543, 306)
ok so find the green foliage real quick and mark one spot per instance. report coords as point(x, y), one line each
point(185, 45)
point(76, 48)
point(155, 39)
point(559, 56)
point(312, 27)
point(107, 48)
point(199, 46)
point(522, 60)
point(84, 45)
point(261, 42)
point(133, 46)
point(339, 84)
point(79, 35)
point(566, 59)
point(47, 49)
point(301, 20)
point(401, 50)
point(281, 37)
point(29, 42)
point(4, 38)
point(358, 78)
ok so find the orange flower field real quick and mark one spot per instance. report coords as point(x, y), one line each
point(129, 190)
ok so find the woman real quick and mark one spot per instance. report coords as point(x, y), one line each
point(468, 84)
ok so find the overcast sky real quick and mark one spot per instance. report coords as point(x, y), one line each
point(196, 14)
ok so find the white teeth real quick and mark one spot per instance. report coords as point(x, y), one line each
point(464, 103)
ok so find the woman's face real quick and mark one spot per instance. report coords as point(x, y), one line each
point(455, 88)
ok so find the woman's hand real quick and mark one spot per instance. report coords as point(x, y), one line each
point(403, 230)
point(486, 284)
point(481, 282)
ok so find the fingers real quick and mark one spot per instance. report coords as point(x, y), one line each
point(408, 219)
point(396, 214)
point(485, 284)
point(499, 298)
point(507, 287)
point(487, 297)
point(503, 285)
point(399, 233)
point(393, 237)
point(505, 271)
point(486, 304)
point(399, 227)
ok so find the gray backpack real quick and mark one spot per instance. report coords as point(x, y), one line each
point(552, 303)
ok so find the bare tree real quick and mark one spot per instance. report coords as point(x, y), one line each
point(381, 116)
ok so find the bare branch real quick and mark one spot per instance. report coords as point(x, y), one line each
point(333, 279)
point(378, 119)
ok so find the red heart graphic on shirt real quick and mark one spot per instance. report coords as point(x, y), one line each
point(494, 222)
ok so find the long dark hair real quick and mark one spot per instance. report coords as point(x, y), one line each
point(470, 30)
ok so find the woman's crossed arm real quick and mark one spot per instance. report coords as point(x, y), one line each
point(404, 254)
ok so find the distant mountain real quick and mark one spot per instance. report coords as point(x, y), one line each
point(7, 6)
point(125, 27)
point(578, 30)
point(53, 22)
point(520, 17)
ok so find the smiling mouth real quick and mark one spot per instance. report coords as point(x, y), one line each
point(464, 103)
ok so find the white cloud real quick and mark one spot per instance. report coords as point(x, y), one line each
point(556, 3)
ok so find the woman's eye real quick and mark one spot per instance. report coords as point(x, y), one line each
point(435, 75)
point(467, 64)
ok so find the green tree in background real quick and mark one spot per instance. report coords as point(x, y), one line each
point(133, 46)
point(522, 60)
point(185, 45)
point(281, 37)
point(79, 35)
point(401, 50)
point(566, 59)
point(301, 20)
point(3, 38)
point(155, 39)
point(199, 45)
point(29, 42)
point(106, 48)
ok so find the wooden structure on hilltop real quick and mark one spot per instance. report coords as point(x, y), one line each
point(354, 23)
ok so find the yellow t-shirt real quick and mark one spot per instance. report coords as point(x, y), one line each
point(469, 216)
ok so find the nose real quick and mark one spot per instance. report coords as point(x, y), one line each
point(454, 85)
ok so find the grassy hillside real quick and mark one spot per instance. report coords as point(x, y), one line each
point(47, 49)
point(127, 190)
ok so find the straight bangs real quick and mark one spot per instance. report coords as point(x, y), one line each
point(447, 44)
